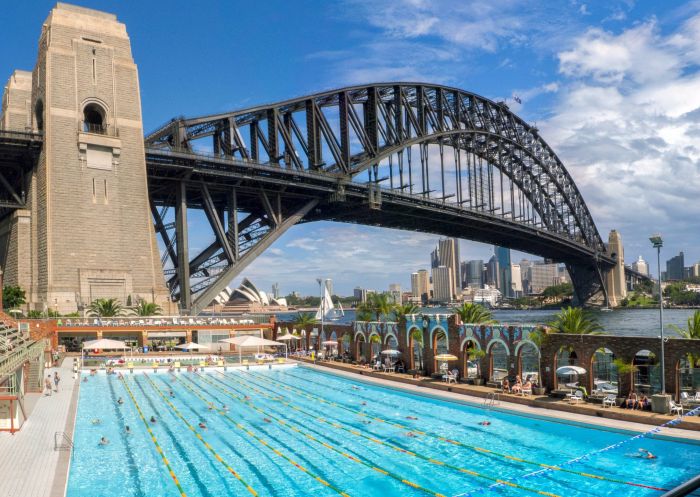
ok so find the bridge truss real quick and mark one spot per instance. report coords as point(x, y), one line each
point(402, 155)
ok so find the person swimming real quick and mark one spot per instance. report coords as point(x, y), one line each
point(485, 423)
point(267, 420)
point(96, 421)
point(171, 393)
point(153, 419)
point(120, 401)
point(202, 425)
point(411, 417)
point(104, 441)
point(410, 434)
point(645, 454)
point(127, 430)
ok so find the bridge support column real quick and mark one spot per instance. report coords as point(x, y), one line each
point(183, 254)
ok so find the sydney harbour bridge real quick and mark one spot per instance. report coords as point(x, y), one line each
point(403, 155)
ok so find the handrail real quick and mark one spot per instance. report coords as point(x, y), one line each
point(685, 488)
point(61, 441)
point(491, 400)
point(19, 356)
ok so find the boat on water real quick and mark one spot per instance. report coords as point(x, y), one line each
point(327, 311)
point(605, 309)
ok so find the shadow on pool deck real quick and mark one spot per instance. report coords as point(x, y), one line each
point(585, 408)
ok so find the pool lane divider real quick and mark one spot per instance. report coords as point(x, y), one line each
point(546, 467)
point(201, 439)
point(154, 440)
point(328, 446)
point(264, 442)
point(396, 448)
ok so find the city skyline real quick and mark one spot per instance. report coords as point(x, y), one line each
point(635, 164)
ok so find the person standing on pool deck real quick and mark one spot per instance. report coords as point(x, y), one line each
point(47, 385)
point(56, 379)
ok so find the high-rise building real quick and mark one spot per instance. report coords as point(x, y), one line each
point(695, 270)
point(615, 280)
point(674, 267)
point(360, 294)
point(442, 284)
point(395, 293)
point(447, 254)
point(420, 285)
point(475, 273)
point(505, 278)
point(276, 290)
point(516, 281)
point(641, 266)
point(492, 272)
point(540, 276)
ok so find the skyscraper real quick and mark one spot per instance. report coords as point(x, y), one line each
point(505, 277)
point(493, 273)
point(641, 266)
point(442, 284)
point(675, 267)
point(447, 254)
point(420, 285)
point(475, 273)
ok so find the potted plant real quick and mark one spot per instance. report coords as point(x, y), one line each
point(476, 355)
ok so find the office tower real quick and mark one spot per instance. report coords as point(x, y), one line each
point(395, 293)
point(448, 255)
point(493, 273)
point(540, 276)
point(505, 278)
point(516, 281)
point(674, 267)
point(475, 273)
point(420, 285)
point(360, 294)
point(442, 284)
point(641, 266)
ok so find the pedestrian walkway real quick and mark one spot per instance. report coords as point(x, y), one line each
point(29, 465)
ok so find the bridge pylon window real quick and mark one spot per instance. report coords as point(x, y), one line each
point(94, 119)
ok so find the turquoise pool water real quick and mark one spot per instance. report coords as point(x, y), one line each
point(293, 431)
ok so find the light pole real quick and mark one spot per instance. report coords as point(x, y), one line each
point(657, 242)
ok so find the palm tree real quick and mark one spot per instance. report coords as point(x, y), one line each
point(417, 336)
point(147, 308)
point(575, 320)
point(377, 304)
point(401, 311)
point(305, 319)
point(105, 308)
point(471, 313)
point(691, 332)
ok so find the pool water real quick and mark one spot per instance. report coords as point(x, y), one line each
point(294, 431)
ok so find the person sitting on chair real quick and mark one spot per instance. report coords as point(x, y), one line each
point(505, 385)
point(518, 386)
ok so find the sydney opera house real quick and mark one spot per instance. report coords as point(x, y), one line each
point(247, 298)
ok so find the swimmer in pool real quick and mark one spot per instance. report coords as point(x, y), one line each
point(120, 401)
point(645, 454)
point(267, 420)
point(96, 421)
point(104, 441)
point(202, 425)
point(410, 434)
point(485, 423)
point(411, 417)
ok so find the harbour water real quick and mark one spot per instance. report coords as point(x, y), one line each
point(624, 322)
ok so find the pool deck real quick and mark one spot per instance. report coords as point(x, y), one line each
point(29, 465)
point(544, 407)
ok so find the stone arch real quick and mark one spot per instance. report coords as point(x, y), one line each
point(436, 345)
point(528, 356)
point(494, 341)
point(470, 339)
point(526, 342)
point(470, 367)
point(361, 333)
point(435, 327)
point(389, 335)
point(415, 350)
point(409, 331)
point(603, 370)
point(497, 363)
point(647, 380)
point(565, 355)
point(94, 116)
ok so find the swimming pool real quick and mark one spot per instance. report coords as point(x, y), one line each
point(294, 431)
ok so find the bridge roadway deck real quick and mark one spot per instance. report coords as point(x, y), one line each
point(29, 465)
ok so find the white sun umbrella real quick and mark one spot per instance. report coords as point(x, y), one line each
point(329, 342)
point(103, 343)
point(252, 341)
point(570, 370)
point(391, 352)
point(191, 346)
point(15, 311)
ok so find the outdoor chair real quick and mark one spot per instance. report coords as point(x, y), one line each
point(610, 400)
point(697, 397)
point(576, 397)
point(676, 408)
point(526, 391)
point(449, 377)
point(685, 399)
point(377, 366)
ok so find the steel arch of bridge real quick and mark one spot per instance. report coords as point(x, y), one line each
point(396, 134)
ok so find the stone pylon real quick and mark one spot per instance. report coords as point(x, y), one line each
point(615, 281)
point(87, 232)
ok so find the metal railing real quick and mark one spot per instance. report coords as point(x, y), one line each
point(99, 129)
point(24, 352)
point(686, 488)
point(491, 400)
point(61, 441)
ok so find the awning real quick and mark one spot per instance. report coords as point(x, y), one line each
point(166, 334)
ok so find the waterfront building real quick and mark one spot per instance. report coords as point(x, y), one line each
point(675, 267)
point(360, 294)
point(516, 284)
point(505, 277)
point(442, 284)
point(475, 273)
point(695, 270)
point(641, 266)
point(420, 285)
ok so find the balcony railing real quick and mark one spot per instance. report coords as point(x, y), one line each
point(99, 129)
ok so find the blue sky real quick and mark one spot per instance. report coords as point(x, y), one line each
point(613, 86)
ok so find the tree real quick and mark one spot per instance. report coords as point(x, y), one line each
point(377, 304)
point(105, 308)
point(575, 320)
point(538, 336)
point(401, 311)
point(691, 332)
point(305, 319)
point(13, 297)
point(626, 368)
point(471, 313)
point(147, 308)
point(417, 336)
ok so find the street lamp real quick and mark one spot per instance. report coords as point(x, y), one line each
point(657, 242)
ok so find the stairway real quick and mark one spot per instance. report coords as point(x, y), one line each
point(35, 376)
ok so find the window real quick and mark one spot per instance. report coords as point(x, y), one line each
point(39, 115)
point(94, 119)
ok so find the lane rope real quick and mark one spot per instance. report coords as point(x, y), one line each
point(200, 438)
point(265, 443)
point(153, 439)
point(418, 455)
point(546, 467)
point(356, 459)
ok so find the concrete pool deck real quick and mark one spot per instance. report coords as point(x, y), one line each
point(29, 465)
point(542, 407)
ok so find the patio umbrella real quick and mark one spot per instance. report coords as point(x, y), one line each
point(568, 370)
point(446, 357)
point(288, 336)
point(329, 342)
point(15, 311)
point(103, 343)
point(391, 352)
point(252, 341)
point(191, 346)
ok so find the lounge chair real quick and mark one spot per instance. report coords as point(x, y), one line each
point(576, 397)
point(676, 408)
point(685, 399)
point(610, 400)
point(449, 377)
